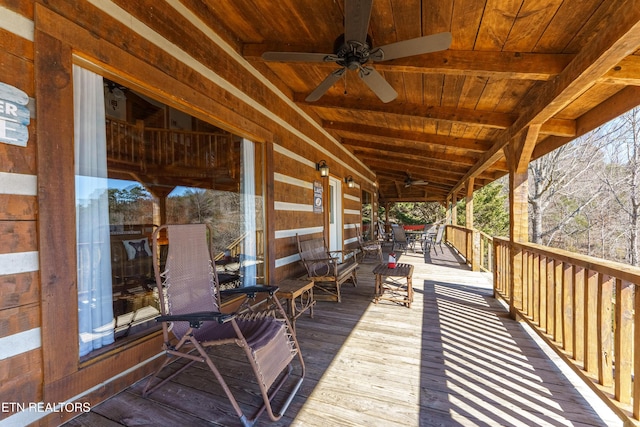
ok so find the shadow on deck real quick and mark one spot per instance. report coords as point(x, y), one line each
point(453, 359)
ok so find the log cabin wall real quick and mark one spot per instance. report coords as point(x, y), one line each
point(188, 65)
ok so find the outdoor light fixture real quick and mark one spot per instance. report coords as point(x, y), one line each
point(323, 168)
point(349, 181)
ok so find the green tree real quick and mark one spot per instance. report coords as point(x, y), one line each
point(413, 213)
point(490, 210)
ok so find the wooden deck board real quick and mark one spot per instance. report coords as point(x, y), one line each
point(453, 358)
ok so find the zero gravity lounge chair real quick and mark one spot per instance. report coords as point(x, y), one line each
point(193, 325)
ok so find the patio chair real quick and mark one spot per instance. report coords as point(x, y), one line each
point(399, 237)
point(383, 236)
point(371, 247)
point(437, 240)
point(325, 268)
point(190, 310)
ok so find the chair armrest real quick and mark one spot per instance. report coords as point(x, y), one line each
point(312, 260)
point(345, 252)
point(250, 291)
point(195, 319)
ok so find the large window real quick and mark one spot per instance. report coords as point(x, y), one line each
point(140, 163)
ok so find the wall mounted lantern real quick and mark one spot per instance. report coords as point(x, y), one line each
point(349, 181)
point(323, 168)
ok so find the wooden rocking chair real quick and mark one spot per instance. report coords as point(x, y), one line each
point(190, 302)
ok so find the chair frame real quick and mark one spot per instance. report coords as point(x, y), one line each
point(438, 239)
point(324, 267)
point(399, 237)
point(367, 248)
point(189, 347)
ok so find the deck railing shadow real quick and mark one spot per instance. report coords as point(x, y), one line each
point(479, 367)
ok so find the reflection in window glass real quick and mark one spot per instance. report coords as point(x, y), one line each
point(139, 164)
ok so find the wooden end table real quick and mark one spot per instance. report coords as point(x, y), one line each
point(299, 298)
point(393, 289)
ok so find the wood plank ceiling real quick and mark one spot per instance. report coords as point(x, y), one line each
point(532, 74)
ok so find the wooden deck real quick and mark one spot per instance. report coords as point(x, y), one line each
point(453, 358)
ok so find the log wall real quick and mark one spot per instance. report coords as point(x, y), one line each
point(186, 65)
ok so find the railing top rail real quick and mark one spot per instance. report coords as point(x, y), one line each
point(465, 229)
point(612, 268)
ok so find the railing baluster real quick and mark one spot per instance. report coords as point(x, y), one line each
point(557, 303)
point(567, 308)
point(623, 347)
point(579, 274)
point(551, 299)
point(535, 284)
point(636, 356)
point(591, 348)
point(605, 329)
point(542, 277)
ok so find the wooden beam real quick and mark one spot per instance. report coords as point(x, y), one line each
point(412, 154)
point(616, 41)
point(523, 148)
point(489, 119)
point(406, 136)
point(606, 111)
point(626, 72)
point(497, 65)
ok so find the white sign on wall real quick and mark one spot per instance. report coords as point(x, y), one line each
point(14, 116)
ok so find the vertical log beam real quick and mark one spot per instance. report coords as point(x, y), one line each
point(469, 201)
point(454, 209)
point(518, 157)
point(473, 249)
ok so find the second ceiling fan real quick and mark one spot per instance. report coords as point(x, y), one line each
point(353, 50)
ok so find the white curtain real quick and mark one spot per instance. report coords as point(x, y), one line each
point(95, 306)
point(248, 190)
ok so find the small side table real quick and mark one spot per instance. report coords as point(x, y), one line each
point(392, 289)
point(299, 298)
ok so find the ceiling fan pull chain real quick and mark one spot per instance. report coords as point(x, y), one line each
point(345, 83)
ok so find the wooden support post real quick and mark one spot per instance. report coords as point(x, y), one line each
point(518, 232)
point(454, 209)
point(473, 249)
point(518, 154)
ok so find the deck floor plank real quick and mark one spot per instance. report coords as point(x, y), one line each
point(454, 358)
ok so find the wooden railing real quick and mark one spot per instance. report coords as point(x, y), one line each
point(584, 307)
point(474, 246)
point(137, 146)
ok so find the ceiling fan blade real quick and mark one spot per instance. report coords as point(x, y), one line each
point(411, 47)
point(297, 57)
point(356, 19)
point(325, 85)
point(378, 84)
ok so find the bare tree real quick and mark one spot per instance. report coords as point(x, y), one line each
point(622, 177)
point(561, 186)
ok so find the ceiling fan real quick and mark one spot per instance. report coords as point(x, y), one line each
point(354, 49)
point(411, 182)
